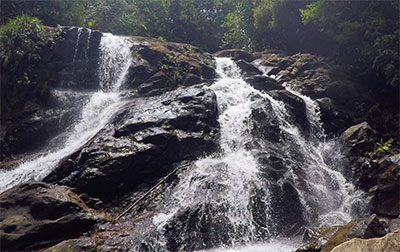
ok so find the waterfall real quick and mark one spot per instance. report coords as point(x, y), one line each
point(115, 60)
point(228, 199)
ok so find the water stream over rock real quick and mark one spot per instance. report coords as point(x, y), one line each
point(257, 187)
point(275, 170)
point(115, 60)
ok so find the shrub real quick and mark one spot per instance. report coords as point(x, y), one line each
point(22, 42)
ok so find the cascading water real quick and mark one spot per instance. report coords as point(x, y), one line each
point(227, 200)
point(115, 60)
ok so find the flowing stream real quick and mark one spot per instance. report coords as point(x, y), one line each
point(270, 178)
point(115, 60)
point(227, 200)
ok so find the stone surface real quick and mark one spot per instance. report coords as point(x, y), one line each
point(235, 54)
point(387, 195)
point(388, 243)
point(352, 100)
point(74, 245)
point(295, 106)
point(325, 239)
point(35, 215)
point(264, 83)
point(142, 142)
point(247, 68)
point(359, 138)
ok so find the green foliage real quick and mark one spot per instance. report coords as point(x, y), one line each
point(361, 33)
point(22, 42)
point(238, 25)
point(383, 147)
point(175, 72)
point(366, 33)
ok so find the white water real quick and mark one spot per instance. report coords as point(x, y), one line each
point(330, 196)
point(226, 182)
point(115, 59)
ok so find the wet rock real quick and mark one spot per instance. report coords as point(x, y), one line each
point(85, 244)
point(352, 99)
point(74, 59)
point(71, 64)
point(142, 142)
point(325, 239)
point(247, 68)
point(264, 83)
point(283, 197)
point(199, 228)
point(387, 195)
point(235, 54)
point(35, 215)
point(334, 121)
point(359, 138)
point(265, 124)
point(390, 242)
point(316, 238)
point(295, 105)
point(35, 129)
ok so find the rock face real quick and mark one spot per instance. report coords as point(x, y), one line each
point(235, 54)
point(351, 100)
point(71, 73)
point(35, 215)
point(142, 142)
point(387, 195)
point(359, 138)
point(389, 243)
point(164, 66)
point(325, 239)
point(70, 65)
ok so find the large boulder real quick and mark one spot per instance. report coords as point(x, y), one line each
point(35, 215)
point(352, 100)
point(163, 66)
point(388, 243)
point(358, 141)
point(264, 83)
point(359, 138)
point(295, 106)
point(141, 143)
point(247, 68)
point(387, 194)
point(325, 239)
point(235, 54)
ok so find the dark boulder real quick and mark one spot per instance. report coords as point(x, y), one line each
point(284, 196)
point(264, 83)
point(34, 215)
point(296, 107)
point(359, 138)
point(142, 142)
point(334, 120)
point(247, 68)
point(387, 195)
point(74, 59)
point(235, 54)
point(265, 124)
point(199, 227)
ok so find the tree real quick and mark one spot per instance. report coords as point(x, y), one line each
point(365, 33)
